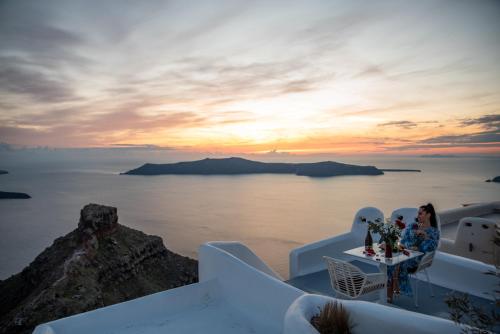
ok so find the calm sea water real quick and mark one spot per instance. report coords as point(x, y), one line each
point(271, 214)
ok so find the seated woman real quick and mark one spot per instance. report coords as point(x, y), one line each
point(422, 236)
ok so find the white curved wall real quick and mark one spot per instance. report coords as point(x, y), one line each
point(260, 296)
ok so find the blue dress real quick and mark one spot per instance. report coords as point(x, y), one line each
point(410, 239)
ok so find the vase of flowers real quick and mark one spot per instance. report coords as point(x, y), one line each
point(389, 233)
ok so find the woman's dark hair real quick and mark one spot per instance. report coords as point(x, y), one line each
point(429, 208)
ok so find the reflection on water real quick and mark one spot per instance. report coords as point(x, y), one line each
point(270, 213)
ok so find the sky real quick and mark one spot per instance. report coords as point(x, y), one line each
point(300, 77)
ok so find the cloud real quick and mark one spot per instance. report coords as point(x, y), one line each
point(36, 54)
point(37, 37)
point(210, 22)
point(477, 138)
point(372, 70)
point(398, 107)
point(136, 122)
point(334, 32)
point(212, 83)
point(98, 129)
point(230, 117)
point(486, 139)
point(50, 118)
point(40, 87)
point(399, 124)
point(489, 137)
point(26, 31)
point(442, 146)
point(139, 147)
point(486, 121)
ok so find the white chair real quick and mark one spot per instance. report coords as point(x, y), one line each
point(360, 224)
point(349, 281)
point(474, 239)
point(425, 263)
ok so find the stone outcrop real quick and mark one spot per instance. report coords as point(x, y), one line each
point(98, 264)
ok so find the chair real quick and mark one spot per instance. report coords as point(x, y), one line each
point(425, 263)
point(349, 281)
point(474, 239)
point(360, 224)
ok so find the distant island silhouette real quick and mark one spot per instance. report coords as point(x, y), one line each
point(495, 179)
point(236, 166)
point(439, 156)
point(12, 195)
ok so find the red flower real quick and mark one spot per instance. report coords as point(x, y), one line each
point(400, 224)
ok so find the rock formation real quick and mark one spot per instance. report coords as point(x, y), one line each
point(98, 264)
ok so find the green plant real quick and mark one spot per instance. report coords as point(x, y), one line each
point(390, 233)
point(333, 318)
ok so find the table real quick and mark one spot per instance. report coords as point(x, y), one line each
point(379, 258)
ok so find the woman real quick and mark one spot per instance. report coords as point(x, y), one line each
point(423, 237)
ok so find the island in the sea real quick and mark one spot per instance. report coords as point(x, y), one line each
point(236, 166)
point(439, 156)
point(13, 195)
point(495, 179)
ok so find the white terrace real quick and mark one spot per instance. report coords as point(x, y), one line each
point(239, 293)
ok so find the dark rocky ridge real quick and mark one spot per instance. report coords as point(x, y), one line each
point(236, 166)
point(98, 264)
point(3, 172)
point(12, 195)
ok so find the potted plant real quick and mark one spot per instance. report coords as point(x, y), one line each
point(313, 314)
point(333, 318)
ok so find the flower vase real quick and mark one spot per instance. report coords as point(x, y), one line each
point(388, 249)
point(395, 247)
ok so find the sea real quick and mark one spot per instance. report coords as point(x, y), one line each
point(271, 214)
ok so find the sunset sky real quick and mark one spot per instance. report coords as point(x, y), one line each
point(402, 77)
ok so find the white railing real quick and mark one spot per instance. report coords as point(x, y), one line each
point(475, 210)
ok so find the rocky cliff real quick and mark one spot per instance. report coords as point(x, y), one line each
point(98, 264)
